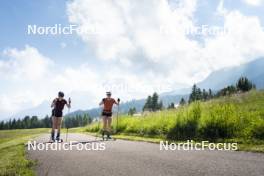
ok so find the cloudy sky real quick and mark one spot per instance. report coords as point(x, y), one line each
point(130, 47)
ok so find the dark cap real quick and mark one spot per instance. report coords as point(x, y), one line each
point(61, 94)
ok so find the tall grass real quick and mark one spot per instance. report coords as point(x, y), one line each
point(13, 159)
point(186, 124)
point(219, 121)
point(238, 116)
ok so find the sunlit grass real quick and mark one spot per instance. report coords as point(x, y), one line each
point(12, 151)
point(239, 116)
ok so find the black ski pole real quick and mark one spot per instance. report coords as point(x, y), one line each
point(67, 134)
point(69, 109)
point(118, 100)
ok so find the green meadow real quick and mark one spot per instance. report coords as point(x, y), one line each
point(13, 159)
point(236, 118)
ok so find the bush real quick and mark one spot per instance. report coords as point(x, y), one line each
point(238, 116)
point(186, 124)
point(256, 129)
point(220, 122)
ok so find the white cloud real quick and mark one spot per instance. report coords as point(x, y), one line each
point(254, 2)
point(27, 64)
point(24, 75)
point(130, 33)
point(133, 36)
point(137, 53)
point(242, 43)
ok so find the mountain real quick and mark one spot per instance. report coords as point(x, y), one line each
point(215, 81)
point(41, 111)
point(124, 107)
point(253, 70)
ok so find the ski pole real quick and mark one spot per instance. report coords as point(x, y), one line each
point(69, 104)
point(118, 100)
point(98, 126)
point(67, 134)
point(69, 109)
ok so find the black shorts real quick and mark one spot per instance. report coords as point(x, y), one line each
point(57, 113)
point(107, 114)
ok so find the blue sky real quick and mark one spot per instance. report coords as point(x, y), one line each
point(17, 16)
point(129, 56)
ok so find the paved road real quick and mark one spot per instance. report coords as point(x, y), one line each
point(128, 158)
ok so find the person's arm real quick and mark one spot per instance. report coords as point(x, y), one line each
point(117, 102)
point(53, 103)
point(68, 104)
point(102, 102)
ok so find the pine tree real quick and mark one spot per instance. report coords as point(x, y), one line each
point(148, 104)
point(171, 106)
point(160, 105)
point(210, 94)
point(204, 95)
point(2, 125)
point(199, 94)
point(132, 111)
point(244, 85)
point(193, 94)
point(154, 102)
point(196, 94)
point(182, 102)
point(26, 122)
point(13, 124)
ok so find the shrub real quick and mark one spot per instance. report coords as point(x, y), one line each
point(256, 129)
point(186, 123)
point(220, 122)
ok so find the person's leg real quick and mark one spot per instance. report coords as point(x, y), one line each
point(59, 119)
point(53, 128)
point(109, 122)
point(104, 123)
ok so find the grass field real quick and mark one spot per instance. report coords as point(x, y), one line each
point(237, 118)
point(12, 151)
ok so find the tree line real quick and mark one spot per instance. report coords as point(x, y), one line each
point(34, 122)
point(243, 84)
point(153, 103)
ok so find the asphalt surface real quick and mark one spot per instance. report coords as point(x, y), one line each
point(129, 158)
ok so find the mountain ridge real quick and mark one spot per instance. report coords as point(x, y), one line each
point(215, 81)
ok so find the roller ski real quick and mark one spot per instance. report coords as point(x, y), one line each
point(106, 136)
point(57, 139)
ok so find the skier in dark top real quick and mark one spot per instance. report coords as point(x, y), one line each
point(57, 114)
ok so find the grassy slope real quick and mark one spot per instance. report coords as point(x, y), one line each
point(238, 118)
point(12, 151)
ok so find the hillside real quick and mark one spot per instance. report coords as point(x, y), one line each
point(215, 81)
point(224, 77)
point(239, 116)
point(124, 107)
